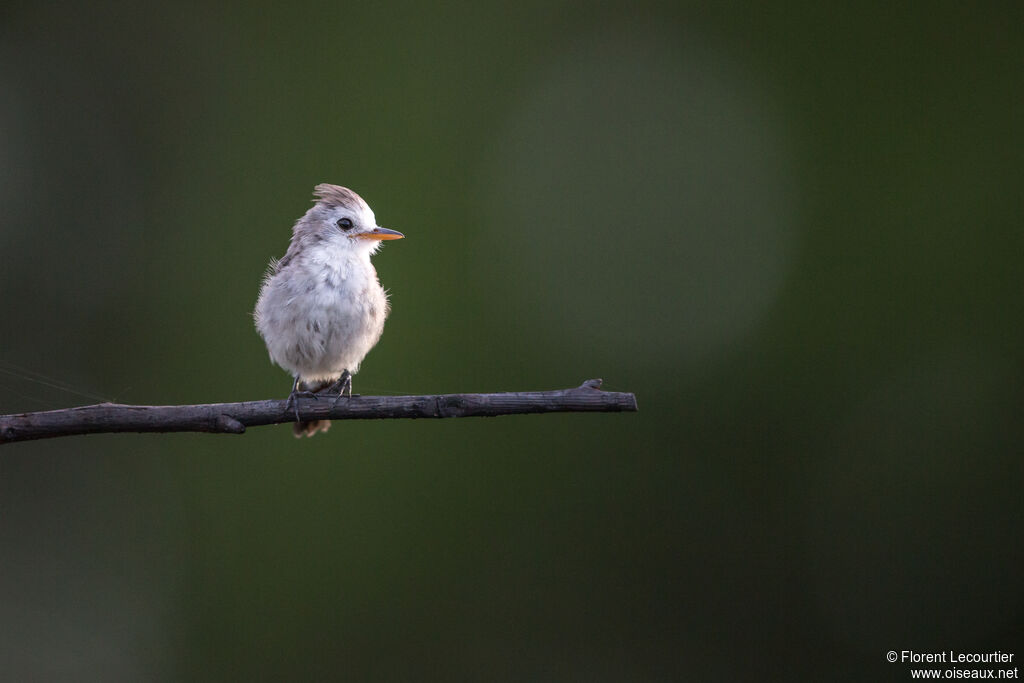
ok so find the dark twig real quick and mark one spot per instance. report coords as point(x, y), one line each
point(233, 418)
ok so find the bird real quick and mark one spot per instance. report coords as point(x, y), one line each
point(321, 307)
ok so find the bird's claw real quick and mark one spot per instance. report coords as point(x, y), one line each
point(343, 384)
point(293, 397)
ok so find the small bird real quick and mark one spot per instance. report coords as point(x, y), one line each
point(321, 308)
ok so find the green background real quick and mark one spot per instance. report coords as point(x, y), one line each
point(794, 230)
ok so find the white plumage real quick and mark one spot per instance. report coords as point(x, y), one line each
point(321, 308)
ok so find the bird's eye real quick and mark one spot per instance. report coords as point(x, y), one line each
point(345, 223)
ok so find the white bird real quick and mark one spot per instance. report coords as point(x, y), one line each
point(321, 308)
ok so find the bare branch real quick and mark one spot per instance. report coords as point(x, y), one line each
point(233, 418)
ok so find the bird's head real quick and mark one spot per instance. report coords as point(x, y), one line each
point(341, 218)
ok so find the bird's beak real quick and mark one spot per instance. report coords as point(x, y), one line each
point(380, 233)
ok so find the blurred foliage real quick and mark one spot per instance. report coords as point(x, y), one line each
point(793, 230)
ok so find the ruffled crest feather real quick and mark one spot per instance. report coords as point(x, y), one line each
point(335, 195)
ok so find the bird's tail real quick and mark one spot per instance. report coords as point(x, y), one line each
point(303, 428)
point(309, 428)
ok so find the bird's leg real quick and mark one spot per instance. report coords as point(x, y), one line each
point(295, 395)
point(343, 384)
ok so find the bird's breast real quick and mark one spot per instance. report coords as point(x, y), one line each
point(333, 313)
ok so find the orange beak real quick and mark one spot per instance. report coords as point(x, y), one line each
point(380, 233)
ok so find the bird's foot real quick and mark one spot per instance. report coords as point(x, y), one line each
point(293, 397)
point(343, 384)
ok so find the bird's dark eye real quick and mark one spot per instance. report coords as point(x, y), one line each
point(345, 223)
